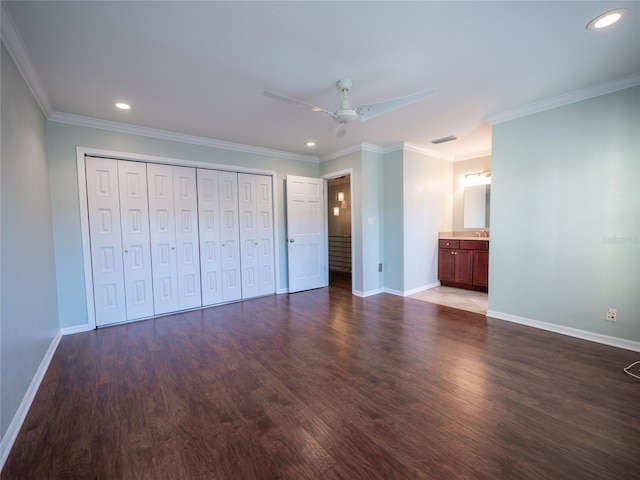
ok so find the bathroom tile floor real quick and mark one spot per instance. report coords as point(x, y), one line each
point(468, 300)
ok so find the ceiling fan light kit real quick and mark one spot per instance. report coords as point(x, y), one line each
point(346, 114)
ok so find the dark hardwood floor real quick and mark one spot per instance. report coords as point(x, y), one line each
point(324, 385)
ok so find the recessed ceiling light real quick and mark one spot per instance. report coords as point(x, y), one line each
point(123, 106)
point(606, 19)
point(310, 144)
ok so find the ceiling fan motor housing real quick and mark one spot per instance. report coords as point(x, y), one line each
point(346, 116)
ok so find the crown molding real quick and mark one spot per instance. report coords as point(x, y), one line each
point(621, 83)
point(175, 137)
point(20, 56)
point(358, 147)
point(471, 155)
point(412, 147)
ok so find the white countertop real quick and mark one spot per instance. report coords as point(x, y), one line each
point(457, 237)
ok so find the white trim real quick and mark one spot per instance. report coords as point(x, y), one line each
point(368, 293)
point(469, 156)
point(571, 332)
point(77, 329)
point(413, 291)
point(81, 152)
point(412, 147)
point(175, 137)
point(392, 291)
point(20, 415)
point(339, 173)
point(18, 52)
point(627, 81)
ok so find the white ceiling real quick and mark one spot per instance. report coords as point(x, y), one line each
point(199, 68)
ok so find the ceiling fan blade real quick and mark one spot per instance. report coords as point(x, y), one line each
point(293, 101)
point(341, 129)
point(367, 112)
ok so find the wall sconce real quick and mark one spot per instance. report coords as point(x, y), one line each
point(483, 178)
point(336, 211)
point(341, 201)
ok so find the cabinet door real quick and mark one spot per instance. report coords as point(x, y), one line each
point(446, 265)
point(481, 268)
point(464, 266)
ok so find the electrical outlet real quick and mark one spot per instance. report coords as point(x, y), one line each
point(379, 267)
point(611, 315)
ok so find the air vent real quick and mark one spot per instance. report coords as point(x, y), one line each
point(444, 139)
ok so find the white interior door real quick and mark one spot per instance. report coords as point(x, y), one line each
point(163, 238)
point(134, 218)
point(266, 247)
point(209, 228)
point(249, 263)
point(307, 239)
point(229, 236)
point(106, 241)
point(187, 241)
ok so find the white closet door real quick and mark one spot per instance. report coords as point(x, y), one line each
point(249, 261)
point(187, 241)
point(229, 236)
point(163, 238)
point(264, 222)
point(134, 218)
point(209, 228)
point(106, 241)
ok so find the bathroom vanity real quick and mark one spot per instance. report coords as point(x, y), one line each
point(463, 262)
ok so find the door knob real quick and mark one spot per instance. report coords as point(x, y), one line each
point(292, 240)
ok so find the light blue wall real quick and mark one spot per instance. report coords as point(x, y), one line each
point(29, 311)
point(373, 222)
point(565, 215)
point(62, 142)
point(427, 211)
point(393, 221)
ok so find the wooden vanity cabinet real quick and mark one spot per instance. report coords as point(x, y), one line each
point(464, 263)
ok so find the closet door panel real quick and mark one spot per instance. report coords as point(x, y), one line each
point(229, 236)
point(163, 238)
point(134, 220)
point(106, 240)
point(265, 234)
point(187, 239)
point(248, 236)
point(209, 230)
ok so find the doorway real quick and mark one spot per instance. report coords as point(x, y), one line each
point(339, 231)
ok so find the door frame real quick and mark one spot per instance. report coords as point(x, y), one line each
point(81, 152)
point(336, 174)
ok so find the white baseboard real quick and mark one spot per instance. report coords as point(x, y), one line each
point(76, 329)
point(413, 291)
point(368, 293)
point(18, 419)
point(571, 332)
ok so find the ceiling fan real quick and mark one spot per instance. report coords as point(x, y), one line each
point(345, 114)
